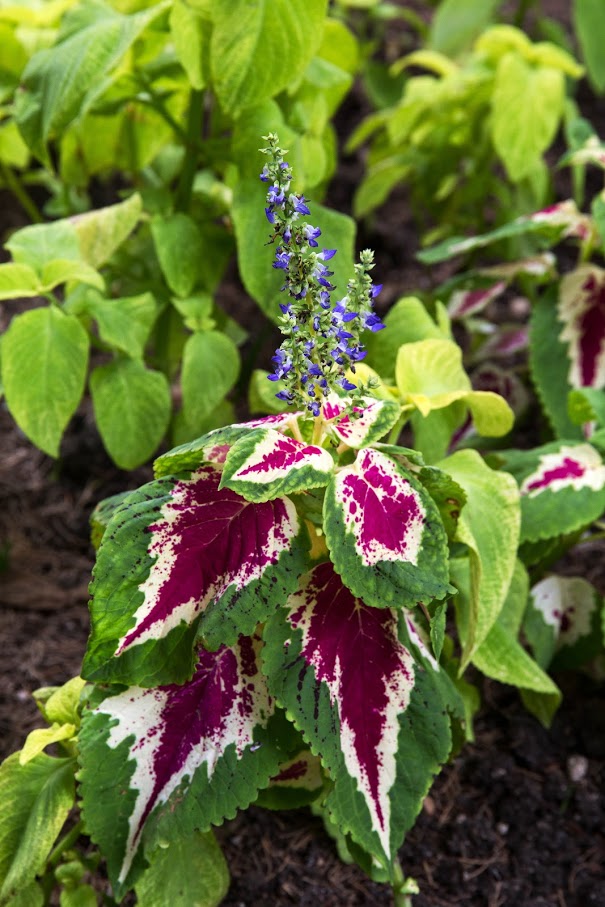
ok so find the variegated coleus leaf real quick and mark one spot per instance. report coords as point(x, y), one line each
point(299, 781)
point(562, 488)
point(264, 464)
point(562, 622)
point(468, 302)
point(182, 557)
point(581, 308)
point(371, 713)
point(385, 534)
point(214, 446)
point(367, 423)
point(158, 763)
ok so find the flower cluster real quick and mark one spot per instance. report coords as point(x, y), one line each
point(321, 343)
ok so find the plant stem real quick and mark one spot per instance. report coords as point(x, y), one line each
point(522, 12)
point(182, 200)
point(65, 843)
point(21, 194)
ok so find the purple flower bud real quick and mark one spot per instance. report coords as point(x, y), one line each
point(376, 288)
point(265, 176)
point(346, 385)
point(314, 407)
point(285, 395)
point(324, 299)
point(275, 195)
point(270, 215)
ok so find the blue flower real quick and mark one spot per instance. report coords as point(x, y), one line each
point(327, 254)
point(275, 195)
point(270, 215)
point(346, 385)
point(282, 259)
point(373, 322)
point(311, 233)
point(265, 175)
point(298, 202)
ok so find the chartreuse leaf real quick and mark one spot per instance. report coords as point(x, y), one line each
point(213, 446)
point(501, 655)
point(60, 81)
point(265, 463)
point(550, 365)
point(586, 404)
point(36, 799)
point(40, 244)
point(429, 374)
point(62, 270)
point(38, 739)
point(407, 322)
point(457, 23)
point(190, 30)
point(18, 281)
point(489, 525)
point(211, 366)
point(44, 363)
point(181, 556)
point(102, 231)
point(384, 532)
point(132, 410)
point(184, 757)
point(31, 896)
point(562, 488)
point(527, 104)
point(258, 49)
point(81, 896)
point(124, 323)
point(354, 691)
point(367, 423)
point(61, 704)
point(178, 244)
point(261, 280)
point(189, 870)
point(562, 622)
point(590, 29)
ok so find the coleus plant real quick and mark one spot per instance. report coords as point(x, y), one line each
point(269, 613)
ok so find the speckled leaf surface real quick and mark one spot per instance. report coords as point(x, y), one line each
point(581, 308)
point(182, 557)
point(142, 750)
point(385, 534)
point(265, 463)
point(339, 669)
point(366, 424)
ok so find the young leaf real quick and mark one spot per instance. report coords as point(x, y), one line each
point(256, 50)
point(190, 870)
point(384, 532)
point(353, 690)
point(102, 231)
point(132, 409)
point(44, 363)
point(213, 447)
point(40, 244)
point(457, 23)
point(38, 739)
point(124, 323)
point(179, 553)
point(562, 488)
point(191, 754)
point(211, 366)
point(367, 424)
point(36, 799)
point(299, 781)
point(265, 463)
point(406, 322)
point(18, 281)
point(489, 526)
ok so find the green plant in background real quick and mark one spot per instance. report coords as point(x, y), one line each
point(161, 103)
point(456, 131)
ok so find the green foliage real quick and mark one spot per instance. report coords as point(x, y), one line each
point(498, 104)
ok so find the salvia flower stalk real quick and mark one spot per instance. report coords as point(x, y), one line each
point(322, 339)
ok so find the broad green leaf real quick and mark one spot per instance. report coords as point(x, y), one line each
point(102, 231)
point(501, 656)
point(36, 799)
point(81, 896)
point(586, 404)
point(457, 23)
point(64, 270)
point(178, 245)
point(211, 367)
point(132, 409)
point(123, 323)
point(190, 870)
point(30, 896)
point(13, 150)
point(255, 257)
point(191, 35)
point(44, 363)
point(258, 49)
point(61, 81)
point(406, 322)
point(489, 525)
point(41, 244)
point(549, 364)
point(18, 281)
point(590, 30)
point(527, 104)
point(40, 738)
